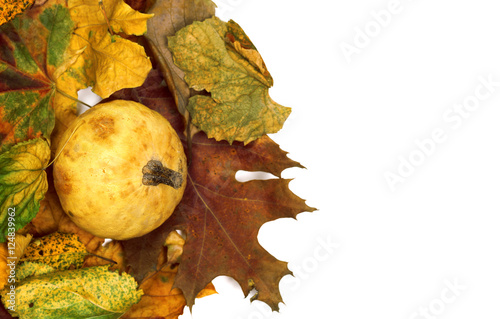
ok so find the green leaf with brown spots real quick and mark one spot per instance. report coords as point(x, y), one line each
point(218, 57)
point(23, 184)
point(32, 56)
point(92, 292)
point(59, 250)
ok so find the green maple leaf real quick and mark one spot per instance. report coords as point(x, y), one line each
point(218, 57)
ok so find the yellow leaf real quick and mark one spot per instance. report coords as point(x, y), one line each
point(110, 63)
point(95, 16)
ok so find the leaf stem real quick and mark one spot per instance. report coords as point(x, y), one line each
point(57, 155)
point(72, 98)
point(101, 6)
point(107, 259)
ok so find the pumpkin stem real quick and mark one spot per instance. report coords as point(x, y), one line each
point(155, 173)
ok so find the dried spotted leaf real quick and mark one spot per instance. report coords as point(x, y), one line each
point(76, 293)
point(28, 268)
point(59, 250)
point(218, 57)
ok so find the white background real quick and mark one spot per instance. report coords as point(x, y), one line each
point(393, 253)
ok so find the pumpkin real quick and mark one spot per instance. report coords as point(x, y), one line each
point(121, 170)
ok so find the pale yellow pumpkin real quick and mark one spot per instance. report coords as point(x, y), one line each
point(121, 172)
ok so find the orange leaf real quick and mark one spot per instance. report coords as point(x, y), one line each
point(159, 299)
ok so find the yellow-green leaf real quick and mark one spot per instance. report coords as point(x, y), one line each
point(218, 57)
point(29, 268)
point(23, 184)
point(59, 250)
point(82, 293)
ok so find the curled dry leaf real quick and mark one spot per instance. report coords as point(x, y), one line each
point(175, 245)
point(170, 17)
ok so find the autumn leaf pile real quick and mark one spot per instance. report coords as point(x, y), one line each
point(209, 81)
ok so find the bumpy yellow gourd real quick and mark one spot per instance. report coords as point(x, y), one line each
point(121, 170)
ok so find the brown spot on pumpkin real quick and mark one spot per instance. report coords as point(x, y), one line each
point(102, 126)
point(63, 180)
point(66, 153)
point(70, 214)
point(124, 193)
